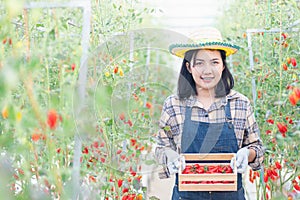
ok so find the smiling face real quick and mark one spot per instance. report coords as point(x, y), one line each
point(206, 68)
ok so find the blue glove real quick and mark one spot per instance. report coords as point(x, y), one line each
point(174, 161)
point(241, 160)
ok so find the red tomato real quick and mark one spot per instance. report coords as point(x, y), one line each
point(200, 170)
point(278, 165)
point(266, 177)
point(228, 169)
point(294, 62)
point(187, 170)
point(274, 173)
point(296, 91)
point(284, 66)
point(120, 182)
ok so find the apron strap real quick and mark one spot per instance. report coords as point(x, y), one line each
point(227, 111)
point(228, 114)
point(188, 113)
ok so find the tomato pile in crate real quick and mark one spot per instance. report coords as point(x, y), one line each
point(208, 172)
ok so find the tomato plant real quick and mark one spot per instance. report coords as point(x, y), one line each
point(40, 64)
point(275, 80)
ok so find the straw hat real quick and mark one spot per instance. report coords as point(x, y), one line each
point(205, 38)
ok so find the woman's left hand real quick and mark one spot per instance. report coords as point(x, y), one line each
point(241, 160)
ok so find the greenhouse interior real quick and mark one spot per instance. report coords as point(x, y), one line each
point(91, 99)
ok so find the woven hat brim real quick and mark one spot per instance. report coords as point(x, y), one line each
point(180, 49)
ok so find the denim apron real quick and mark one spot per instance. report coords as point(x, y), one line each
point(202, 137)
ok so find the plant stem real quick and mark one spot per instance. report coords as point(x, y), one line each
point(280, 59)
point(26, 34)
point(28, 83)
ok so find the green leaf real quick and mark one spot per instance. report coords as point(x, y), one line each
point(150, 162)
point(51, 34)
point(167, 128)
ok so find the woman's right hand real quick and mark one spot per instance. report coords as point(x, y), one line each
point(174, 161)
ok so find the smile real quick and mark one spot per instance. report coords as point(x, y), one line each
point(207, 78)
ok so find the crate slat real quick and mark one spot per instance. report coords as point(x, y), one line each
point(208, 164)
point(206, 156)
point(208, 187)
point(207, 177)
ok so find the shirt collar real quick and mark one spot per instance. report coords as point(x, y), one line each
point(223, 101)
point(193, 102)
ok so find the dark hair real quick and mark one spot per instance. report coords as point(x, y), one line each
point(186, 83)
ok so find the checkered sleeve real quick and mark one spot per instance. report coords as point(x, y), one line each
point(252, 139)
point(164, 137)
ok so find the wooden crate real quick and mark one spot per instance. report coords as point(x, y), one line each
point(206, 160)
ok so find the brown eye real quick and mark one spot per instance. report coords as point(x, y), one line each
point(198, 64)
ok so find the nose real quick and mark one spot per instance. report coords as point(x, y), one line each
point(206, 69)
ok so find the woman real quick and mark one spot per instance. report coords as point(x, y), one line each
point(206, 115)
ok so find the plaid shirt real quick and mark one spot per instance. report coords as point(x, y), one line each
point(172, 120)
